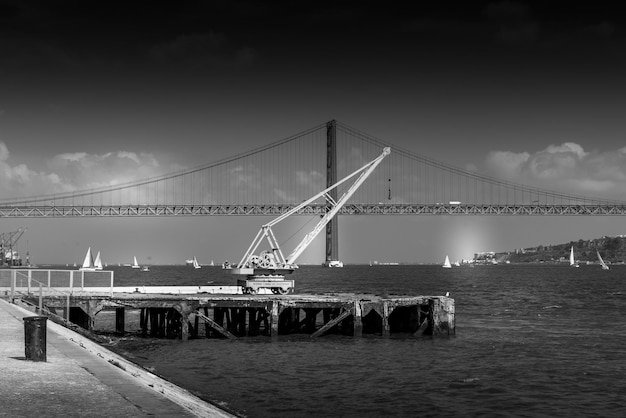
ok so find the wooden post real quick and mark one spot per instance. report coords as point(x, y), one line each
point(196, 324)
point(13, 280)
point(119, 320)
point(242, 321)
point(67, 311)
point(274, 319)
point(358, 320)
point(253, 322)
point(40, 298)
point(154, 322)
point(218, 316)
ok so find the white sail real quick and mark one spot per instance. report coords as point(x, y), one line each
point(135, 263)
point(602, 263)
point(195, 263)
point(446, 263)
point(98, 262)
point(88, 264)
point(572, 261)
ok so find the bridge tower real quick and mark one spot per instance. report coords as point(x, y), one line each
point(332, 232)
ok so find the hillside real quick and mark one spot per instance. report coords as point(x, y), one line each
point(612, 250)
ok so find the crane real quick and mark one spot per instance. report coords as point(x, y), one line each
point(8, 241)
point(268, 269)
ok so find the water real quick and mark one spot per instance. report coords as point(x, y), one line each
point(537, 340)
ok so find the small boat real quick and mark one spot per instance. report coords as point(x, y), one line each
point(226, 265)
point(572, 262)
point(135, 264)
point(88, 264)
point(189, 261)
point(446, 263)
point(335, 263)
point(145, 268)
point(98, 262)
point(195, 263)
point(602, 263)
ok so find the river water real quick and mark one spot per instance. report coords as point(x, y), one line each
point(532, 340)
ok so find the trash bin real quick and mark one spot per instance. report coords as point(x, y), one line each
point(35, 337)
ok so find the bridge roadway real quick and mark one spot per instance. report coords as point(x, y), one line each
point(28, 211)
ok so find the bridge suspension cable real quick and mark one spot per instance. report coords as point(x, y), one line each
point(271, 179)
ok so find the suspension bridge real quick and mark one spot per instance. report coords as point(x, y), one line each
point(274, 178)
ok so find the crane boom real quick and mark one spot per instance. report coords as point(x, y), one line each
point(272, 265)
point(337, 205)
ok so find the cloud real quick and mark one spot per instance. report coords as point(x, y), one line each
point(4, 152)
point(310, 180)
point(69, 172)
point(566, 168)
point(507, 164)
point(19, 180)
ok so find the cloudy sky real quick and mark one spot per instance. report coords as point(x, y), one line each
point(97, 93)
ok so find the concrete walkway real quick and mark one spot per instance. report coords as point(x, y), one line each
point(82, 379)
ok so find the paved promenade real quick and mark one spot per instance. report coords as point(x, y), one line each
point(81, 379)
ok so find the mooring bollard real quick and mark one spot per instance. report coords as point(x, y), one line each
point(35, 337)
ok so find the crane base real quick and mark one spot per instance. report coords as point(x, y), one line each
point(276, 283)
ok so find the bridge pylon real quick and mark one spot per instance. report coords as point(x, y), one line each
point(332, 231)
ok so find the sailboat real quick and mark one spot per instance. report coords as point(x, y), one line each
point(98, 262)
point(195, 263)
point(572, 262)
point(602, 263)
point(88, 264)
point(135, 264)
point(446, 263)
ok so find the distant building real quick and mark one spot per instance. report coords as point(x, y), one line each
point(485, 257)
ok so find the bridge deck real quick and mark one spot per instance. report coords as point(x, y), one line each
point(28, 211)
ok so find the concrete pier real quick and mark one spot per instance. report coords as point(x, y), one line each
point(178, 315)
point(81, 378)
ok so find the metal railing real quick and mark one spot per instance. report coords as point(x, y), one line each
point(64, 281)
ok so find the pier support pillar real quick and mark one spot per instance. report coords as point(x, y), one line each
point(443, 316)
point(274, 319)
point(386, 331)
point(119, 320)
point(358, 319)
point(186, 311)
